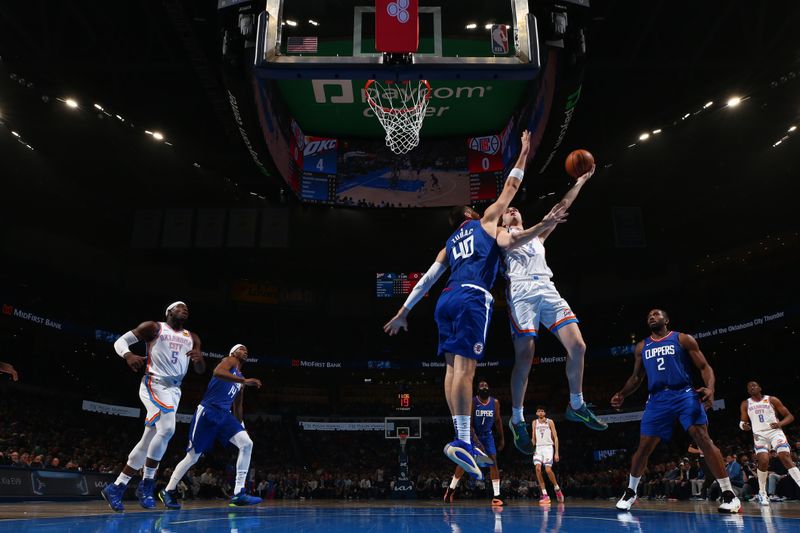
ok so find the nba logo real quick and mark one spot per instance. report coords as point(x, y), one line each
point(499, 39)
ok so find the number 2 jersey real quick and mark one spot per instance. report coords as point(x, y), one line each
point(666, 363)
point(473, 255)
point(220, 393)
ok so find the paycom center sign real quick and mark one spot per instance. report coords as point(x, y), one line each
point(338, 108)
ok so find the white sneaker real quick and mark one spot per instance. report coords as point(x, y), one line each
point(731, 507)
point(626, 502)
point(762, 498)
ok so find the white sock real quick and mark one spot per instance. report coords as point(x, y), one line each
point(633, 482)
point(795, 473)
point(576, 400)
point(241, 477)
point(463, 428)
point(149, 473)
point(454, 483)
point(556, 488)
point(496, 487)
point(122, 479)
point(725, 484)
point(455, 423)
point(762, 480)
point(517, 414)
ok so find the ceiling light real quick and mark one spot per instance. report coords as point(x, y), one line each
point(708, 104)
point(734, 101)
point(656, 132)
point(471, 26)
point(644, 136)
point(71, 103)
point(157, 136)
point(685, 116)
point(15, 134)
point(148, 132)
point(792, 128)
point(98, 106)
point(313, 22)
point(489, 26)
point(291, 23)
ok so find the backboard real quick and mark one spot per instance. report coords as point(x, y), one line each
point(394, 426)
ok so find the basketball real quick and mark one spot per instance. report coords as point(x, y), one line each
point(578, 163)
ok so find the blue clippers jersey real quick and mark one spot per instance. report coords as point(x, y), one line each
point(220, 393)
point(483, 415)
point(473, 255)
point(666, 363)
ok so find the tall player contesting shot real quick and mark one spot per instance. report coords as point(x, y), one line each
point(170, 347)
point(464, 308)
point(665, 357)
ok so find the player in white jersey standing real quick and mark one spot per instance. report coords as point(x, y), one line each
point(545, 441)
point(170, 348)
point(758, 415)
point(533, 299)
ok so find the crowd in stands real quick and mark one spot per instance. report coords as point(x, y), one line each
point(289, 463)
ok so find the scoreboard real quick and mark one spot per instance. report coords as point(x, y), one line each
point(391, 284)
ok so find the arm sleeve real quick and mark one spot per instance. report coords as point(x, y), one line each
point(424, 284)
point(123, 344)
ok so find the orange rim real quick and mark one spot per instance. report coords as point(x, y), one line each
point(390, 110)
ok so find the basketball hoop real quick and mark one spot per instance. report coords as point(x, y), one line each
point(402, 436)
point(400, 108)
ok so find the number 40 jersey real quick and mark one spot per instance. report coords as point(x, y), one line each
point(473, 255)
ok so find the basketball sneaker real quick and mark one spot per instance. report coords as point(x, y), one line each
point(169, 498)
point(144, 492)
point(497, 501)
point(560, 496)
point(242, 498)
point(464, 455)
point(481, 458)
point(113, 493)
point(449, 495)
point(730, 503)
point(522, 440)
point(626, 502)
point(762, 499)
point(586, 416)
point(544, 499)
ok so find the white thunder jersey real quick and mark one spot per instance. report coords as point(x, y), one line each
point(762, 414)
point(544, 437)
point(524, 262)
point(167, 354)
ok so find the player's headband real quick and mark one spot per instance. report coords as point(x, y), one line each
point(236, 347)
point(172, 306)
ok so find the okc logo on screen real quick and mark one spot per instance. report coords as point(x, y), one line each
point(399, 10)
point(487, 145)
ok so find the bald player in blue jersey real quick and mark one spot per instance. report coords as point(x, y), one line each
point(666, 358)
point(464, 308)
point(219, 417)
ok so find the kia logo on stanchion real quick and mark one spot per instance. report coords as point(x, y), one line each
point(399, 10)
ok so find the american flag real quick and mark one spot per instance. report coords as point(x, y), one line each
point(298, 45)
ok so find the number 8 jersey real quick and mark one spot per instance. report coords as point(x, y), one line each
point(473, 255)
point(666, 363)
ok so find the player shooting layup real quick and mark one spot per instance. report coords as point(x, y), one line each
point(464, 308)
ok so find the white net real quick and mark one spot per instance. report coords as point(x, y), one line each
point(400, 108)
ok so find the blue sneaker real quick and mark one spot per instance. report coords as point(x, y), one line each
point(522, 440)
point(169, 498)
point(112, 493)
point(463, 454)
point(144, 491)
point(585, 415)
point(242, 498)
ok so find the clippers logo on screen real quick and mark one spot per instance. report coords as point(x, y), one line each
point(320, 155)
point(484, 154)
point(396, 26)
point(298, 144)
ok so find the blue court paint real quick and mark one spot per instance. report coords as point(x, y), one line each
point(427, 518)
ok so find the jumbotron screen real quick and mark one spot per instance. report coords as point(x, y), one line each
point(391, 284)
